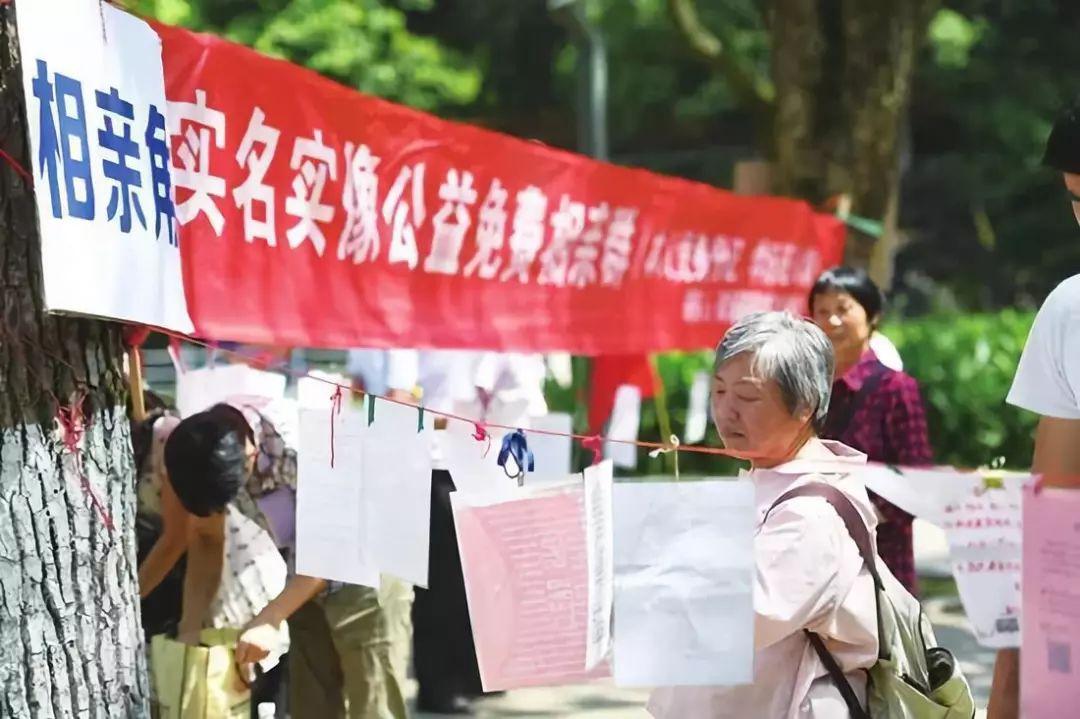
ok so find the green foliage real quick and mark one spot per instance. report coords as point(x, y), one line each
point(952, 36)
point(965, 365)
point(365, 44)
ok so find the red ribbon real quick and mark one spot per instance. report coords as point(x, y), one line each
point(482, 434)
point(135, 335)
point(596, 445)
point(12, 161)
point(335, 409)
point(73, 423)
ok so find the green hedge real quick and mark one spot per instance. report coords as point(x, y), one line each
point(964, 364)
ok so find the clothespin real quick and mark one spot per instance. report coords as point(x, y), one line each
point(672, 446)
point(514, 445)
point(370, 409)
point(419, 419)
point(596, 445)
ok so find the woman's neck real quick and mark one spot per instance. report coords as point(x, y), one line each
point(805, 444)
point(849, 359)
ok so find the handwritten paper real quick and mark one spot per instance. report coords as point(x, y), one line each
point(624, 425)
point(331, 541)
point(526, 574)
point(697, 411)
point(599, 537)
point(1051, 596)
point(397, 492)
point(684, 570)
point(984, 531)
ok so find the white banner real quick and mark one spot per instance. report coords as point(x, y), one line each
point(95, 106)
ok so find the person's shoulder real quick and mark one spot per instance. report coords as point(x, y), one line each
point(1064, 300)
point(900, 381)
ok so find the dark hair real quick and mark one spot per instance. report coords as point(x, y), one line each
point(206, 459)
point(854, 282)
point(1063, 144)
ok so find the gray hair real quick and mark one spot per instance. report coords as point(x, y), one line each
point(790, 351)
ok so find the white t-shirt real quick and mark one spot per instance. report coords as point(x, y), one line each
point(1048, 379)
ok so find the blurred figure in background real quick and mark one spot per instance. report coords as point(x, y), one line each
point(350, 644)
point(444, 655)
point(874, 409)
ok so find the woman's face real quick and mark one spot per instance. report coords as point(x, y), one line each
point(751, 416)
point(844, 320)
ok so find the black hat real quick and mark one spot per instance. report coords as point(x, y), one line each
point(1063, 145)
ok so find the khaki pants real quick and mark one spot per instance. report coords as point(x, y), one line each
point(350, 653)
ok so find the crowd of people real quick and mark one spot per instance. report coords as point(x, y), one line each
point(805, 401)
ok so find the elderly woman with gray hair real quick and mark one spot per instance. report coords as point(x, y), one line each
point(773, 377)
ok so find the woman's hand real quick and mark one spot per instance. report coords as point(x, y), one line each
point(256, 642)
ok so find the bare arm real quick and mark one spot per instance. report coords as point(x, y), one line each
point(1057, 459)
point(206, 560)
point(169, 547)
point(261, 632)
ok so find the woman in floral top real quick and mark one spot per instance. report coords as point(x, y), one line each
point(874, 409)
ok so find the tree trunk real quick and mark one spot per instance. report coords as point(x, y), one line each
point(70, 635)
point(842, 71)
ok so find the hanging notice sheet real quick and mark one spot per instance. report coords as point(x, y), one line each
point(95, 109)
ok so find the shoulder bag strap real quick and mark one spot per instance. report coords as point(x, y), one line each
point(861, 536)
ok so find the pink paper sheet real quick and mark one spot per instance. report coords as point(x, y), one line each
point(1050, 684)
point(526, 578)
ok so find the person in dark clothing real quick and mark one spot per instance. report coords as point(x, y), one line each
point(874, 409)
point(444, 655)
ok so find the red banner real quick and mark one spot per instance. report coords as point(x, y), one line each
point(312, 215)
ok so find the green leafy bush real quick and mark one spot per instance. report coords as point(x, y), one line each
point(964, 365)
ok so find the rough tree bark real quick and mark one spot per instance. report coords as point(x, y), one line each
point(70, 635)
point(841, 75)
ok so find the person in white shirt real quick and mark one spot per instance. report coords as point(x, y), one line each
point(1047, 382)
point(771, 389)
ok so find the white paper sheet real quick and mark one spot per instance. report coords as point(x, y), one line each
point(109, 244)
point(985, 532)
point(624, 425)
point(471, 463)
point(312, 392)
point(684, 569)
point(236, 384)
point(397, 492)
point(552, 454)
point(331, 541)
point(697, 411)
point(599, 538)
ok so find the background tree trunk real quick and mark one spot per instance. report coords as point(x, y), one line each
point(70, 636)
point(842, 71)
